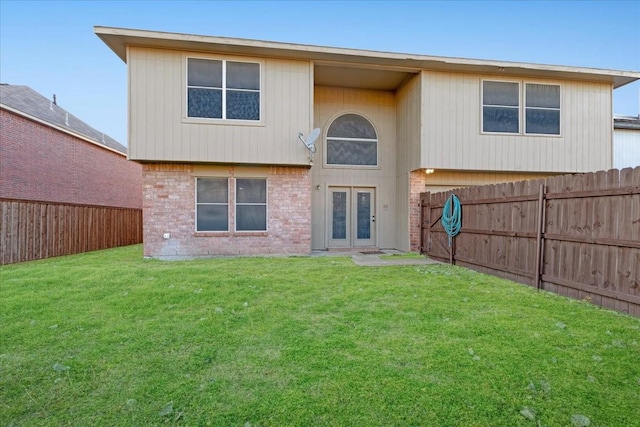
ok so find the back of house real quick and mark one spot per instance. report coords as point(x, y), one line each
point(219, 124)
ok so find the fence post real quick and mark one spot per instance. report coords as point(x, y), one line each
point(539, 238)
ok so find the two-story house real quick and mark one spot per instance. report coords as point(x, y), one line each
point(216, 123)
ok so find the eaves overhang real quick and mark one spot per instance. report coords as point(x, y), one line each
point(117, 39)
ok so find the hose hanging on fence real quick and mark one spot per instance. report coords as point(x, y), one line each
point(452, 217)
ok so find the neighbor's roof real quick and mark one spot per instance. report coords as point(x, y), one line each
point(333, 63)
point(29, 103)
point(626, 122)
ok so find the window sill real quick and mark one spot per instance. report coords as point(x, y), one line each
point(227, 122)
point(230, 234)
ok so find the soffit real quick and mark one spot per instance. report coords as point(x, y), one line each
point(119, 38)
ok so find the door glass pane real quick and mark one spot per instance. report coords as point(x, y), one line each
point(339, 228)
point(364, 216)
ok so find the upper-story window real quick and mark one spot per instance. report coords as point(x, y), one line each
point(542, 112)
point(352, 140)
point(221, 89)
point(502, 109)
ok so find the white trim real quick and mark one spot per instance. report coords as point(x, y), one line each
point(518, 107)
point(61, 129)
point(525, 108)
point(265, 204)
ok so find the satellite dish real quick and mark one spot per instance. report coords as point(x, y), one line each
point(310, 142)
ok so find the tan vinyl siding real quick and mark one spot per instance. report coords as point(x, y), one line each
point(379, 108)
point(409, 116)
point(161, 132)
point(402, 212)
point(453, 138)
point(444, 180)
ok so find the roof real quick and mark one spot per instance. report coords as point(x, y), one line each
point(624, 122)
point(28, 102)
point(332, 65)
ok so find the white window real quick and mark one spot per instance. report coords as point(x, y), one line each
point(542, 111)
point(352, 140)
point(251, 204)
point(501, 107)
point(221, 89)
point(212, 204)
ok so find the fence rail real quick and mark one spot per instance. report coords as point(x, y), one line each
point(35, 230)
point(575, 235)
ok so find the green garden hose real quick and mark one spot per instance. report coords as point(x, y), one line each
point(452, 217)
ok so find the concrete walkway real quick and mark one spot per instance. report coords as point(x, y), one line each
point(372, 259)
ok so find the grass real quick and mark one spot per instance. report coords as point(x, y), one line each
point(107, 338)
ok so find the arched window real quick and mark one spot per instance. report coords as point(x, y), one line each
point(352, 140)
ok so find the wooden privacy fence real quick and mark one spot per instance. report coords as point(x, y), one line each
point(35, 230)
point(575, 235)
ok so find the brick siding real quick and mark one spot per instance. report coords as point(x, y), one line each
point(169, 207)
point(41, 163)
point(417, 180)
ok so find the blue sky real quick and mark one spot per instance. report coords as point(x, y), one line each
point(50, 46)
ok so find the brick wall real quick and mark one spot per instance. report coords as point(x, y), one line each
point(169, 207)
point(417, 180)
point(41, 163)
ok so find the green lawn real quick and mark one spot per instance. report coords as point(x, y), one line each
point(107, 338)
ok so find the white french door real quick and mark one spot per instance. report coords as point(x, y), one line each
point(351, 217)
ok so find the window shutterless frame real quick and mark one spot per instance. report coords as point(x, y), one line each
point(223, 90)
point(211, 204)
point(542, 117)
point(351, 141)
point(251, 205)
point(542, 109)
point(498, 107)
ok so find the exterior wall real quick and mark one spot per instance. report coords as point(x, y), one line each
point(452, 137)
point(160, 131)
point(169, 207)
point(408, 134)
point(44, 164)
point(379, 108)
point(626, 148)
point(409, 128)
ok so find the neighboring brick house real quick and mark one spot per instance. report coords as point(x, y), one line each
point(48, 154)
point(216, 123)
point(65, 187)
